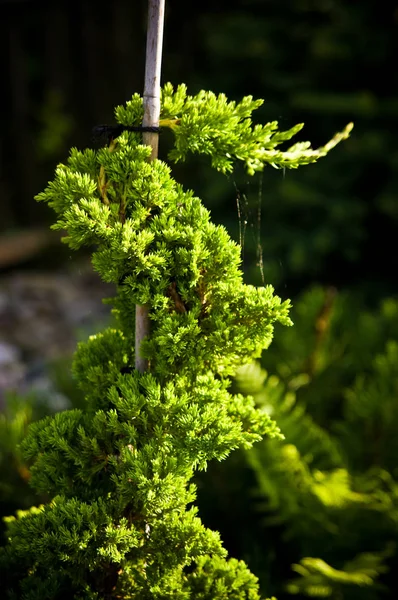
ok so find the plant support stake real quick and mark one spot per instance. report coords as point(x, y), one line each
point(151, 101)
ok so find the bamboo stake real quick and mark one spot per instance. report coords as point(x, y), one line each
point(151, 119)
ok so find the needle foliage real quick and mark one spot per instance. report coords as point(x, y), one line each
point(121, 522)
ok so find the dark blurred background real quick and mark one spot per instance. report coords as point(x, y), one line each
point(67, 64)
point(325, 235)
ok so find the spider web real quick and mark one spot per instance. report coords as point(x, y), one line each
point(249, 219)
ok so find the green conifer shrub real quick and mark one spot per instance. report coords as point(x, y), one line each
point(120, 524)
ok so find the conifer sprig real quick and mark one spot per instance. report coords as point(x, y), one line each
point(209, 124)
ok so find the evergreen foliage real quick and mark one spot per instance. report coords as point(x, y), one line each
point(328, 494)
point(120, 524)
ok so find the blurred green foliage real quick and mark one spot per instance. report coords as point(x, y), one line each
point(55, 126)
point(15, 492)
point(325, 499)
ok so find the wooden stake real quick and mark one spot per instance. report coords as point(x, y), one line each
point(151, 119)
